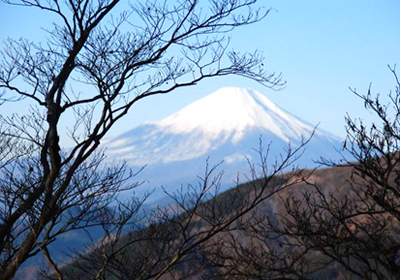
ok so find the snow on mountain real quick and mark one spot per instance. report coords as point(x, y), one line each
point(232, 111)
point(225, 125)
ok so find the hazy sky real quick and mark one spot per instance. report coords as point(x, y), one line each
point(321, 48)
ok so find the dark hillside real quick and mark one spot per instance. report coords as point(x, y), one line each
point(157, 241)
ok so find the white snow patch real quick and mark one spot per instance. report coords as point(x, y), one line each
point(120, 151)
point(236, 157)
point(115, 143)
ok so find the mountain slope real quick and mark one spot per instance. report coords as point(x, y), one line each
point(329, 180)
point(225, 125)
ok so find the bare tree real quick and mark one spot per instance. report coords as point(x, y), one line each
point(338, 223)
point(178, 240)
point(94, 67)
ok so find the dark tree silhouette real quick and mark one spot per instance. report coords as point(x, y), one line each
point(93, 68)
point(347, 228)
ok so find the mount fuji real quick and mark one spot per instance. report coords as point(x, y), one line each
point(223, 126)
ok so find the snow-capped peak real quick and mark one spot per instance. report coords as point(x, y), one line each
point(224, 123)
point(231, 111)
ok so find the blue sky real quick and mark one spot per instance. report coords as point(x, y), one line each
point(321, 48)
